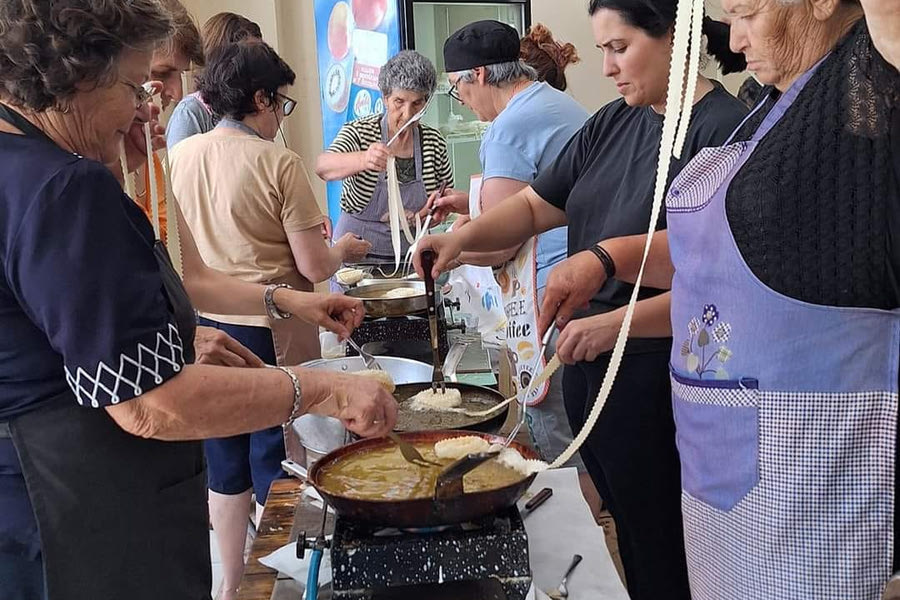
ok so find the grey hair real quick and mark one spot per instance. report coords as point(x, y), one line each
point(408, 70)
point(501, 74)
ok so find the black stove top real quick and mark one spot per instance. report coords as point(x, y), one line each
point(483, 560)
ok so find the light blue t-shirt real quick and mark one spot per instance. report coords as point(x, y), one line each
point(526, 138)
point(190, 117)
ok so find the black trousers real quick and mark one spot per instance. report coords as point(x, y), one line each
point(632, 459)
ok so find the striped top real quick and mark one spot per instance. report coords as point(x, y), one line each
point(358, 135)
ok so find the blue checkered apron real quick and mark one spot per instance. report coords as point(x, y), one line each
point(786, 413)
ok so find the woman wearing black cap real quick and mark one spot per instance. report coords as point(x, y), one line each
point(601, 186)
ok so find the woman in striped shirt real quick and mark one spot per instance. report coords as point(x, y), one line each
point(359, 155)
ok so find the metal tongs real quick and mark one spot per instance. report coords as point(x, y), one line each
point(423, 231)
point(437, 373)
point(550, 368)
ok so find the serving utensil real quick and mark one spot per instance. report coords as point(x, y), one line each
point(437, 374)
point(415, 119)
point(370, 361)
point(548, 370)
point(409, 452)
point(562, 590)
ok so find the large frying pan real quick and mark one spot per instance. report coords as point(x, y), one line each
point(377, 306)
point(474, 398)
point(423, 512)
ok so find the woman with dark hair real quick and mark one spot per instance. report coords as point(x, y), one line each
point(783, 257)
point(548, 57)
point(601, 186)
point(102, 484)
point(252, 211)
point(193, 115)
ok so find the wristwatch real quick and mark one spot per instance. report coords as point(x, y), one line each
point(271, 308)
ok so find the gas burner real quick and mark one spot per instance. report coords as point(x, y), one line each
point(370, 561)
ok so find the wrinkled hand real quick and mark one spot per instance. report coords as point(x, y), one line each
point(376, 157)
point(446, 247)
point(215, 347)
point(361, 403)
point(461, 222)
point(135, 144)
point(355, 248)
point(583, 340)
point(453, 201)
point(570, 287)
point(337, 313)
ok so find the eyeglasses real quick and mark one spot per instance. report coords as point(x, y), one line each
point(141, 94)
point(453, 93)
point(289, 104)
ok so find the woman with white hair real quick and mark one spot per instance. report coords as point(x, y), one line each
point(359, 155)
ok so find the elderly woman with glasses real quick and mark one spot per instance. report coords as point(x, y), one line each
point(359, 154)
point(102, 484)
point(250, 207)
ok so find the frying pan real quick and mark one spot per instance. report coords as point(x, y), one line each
point(377, 306)
point(421, 512)
point(474, 397)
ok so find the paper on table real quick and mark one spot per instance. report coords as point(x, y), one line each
point(285, 561)
point(561, 527)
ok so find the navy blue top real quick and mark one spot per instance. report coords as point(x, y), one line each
point(83, 313)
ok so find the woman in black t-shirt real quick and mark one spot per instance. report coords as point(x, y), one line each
point(601, 186)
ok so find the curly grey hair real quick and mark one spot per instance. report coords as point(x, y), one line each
point(501, 74)
point(408, 70)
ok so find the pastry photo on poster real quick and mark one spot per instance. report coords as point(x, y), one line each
point(354, 39)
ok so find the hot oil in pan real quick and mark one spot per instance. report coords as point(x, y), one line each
point(413, 420)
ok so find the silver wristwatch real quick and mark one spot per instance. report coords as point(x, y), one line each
point(271, 308)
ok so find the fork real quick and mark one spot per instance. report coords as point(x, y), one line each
point(409, 452)
point(562, 591)
point(370, 361)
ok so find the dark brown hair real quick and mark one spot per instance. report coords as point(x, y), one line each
point(226, 28)
point(49, 48)
point(186, 37)
point(547, 56)
point(236, 72)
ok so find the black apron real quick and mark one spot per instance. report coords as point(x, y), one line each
point(119, 516)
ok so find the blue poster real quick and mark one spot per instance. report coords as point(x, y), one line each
point(354, 38)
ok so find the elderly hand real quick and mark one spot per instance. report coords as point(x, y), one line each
point(135, 143)
point(362, 404)
point(570, 287)
point(583, 340)
point(337, 313)
point(215, 347)
point(375, 158)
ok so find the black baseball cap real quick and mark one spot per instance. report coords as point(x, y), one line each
point(481, 43)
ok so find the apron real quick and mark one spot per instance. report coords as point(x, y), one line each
point(367, 223)
point(785, 411)
point(119, 516)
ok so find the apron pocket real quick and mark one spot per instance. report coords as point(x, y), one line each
point(717, 433)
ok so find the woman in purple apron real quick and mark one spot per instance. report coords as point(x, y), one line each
point(786, 315)
point(358, 156)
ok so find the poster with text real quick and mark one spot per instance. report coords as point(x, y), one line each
point(354, 38)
